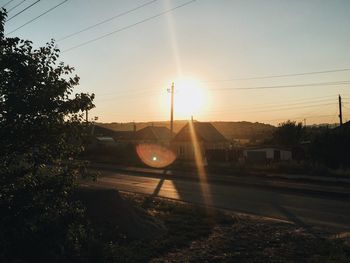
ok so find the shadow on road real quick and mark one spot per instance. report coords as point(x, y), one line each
point(155, 192)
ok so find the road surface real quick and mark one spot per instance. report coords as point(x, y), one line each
point(301, 207)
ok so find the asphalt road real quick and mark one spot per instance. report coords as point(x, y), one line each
point(301, 207)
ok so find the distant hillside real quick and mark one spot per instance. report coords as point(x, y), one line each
point(231, 130)
point(129, 126)
point(244, 129)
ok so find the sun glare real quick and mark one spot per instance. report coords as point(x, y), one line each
point(190, 98)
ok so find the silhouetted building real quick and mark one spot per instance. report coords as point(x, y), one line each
point(124, 137)
point(120, 137)
point(208, 138)
point(243, 141)
point(343, 128)
point(153, 135)
point(103, 141)
point(267, 154)
point(99, 131)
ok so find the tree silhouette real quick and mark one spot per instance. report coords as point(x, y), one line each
point(288, 133)
point(40, 131)
point(332, 147)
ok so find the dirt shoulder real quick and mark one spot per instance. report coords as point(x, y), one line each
point(195, 234)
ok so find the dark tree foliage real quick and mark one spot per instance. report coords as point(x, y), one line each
point(288, 133)
point(40, 134)
point(332, 147)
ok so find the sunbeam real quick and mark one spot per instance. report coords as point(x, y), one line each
point(199, 160)
point(173, 38)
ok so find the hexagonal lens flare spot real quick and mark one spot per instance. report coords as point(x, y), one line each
point(155, 156)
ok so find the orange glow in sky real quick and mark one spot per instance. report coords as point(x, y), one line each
point(191, 98)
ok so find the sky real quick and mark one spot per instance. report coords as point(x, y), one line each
point(219, 48)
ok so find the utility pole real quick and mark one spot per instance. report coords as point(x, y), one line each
point(86, 116)
point(304, 122)
point(172, 110)
point(340, 111)
point(93, 125)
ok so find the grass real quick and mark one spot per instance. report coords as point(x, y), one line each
point(195, 234)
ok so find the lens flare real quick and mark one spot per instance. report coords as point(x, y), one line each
point(155, 156)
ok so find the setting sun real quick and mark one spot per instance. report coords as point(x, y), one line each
point(190, 98)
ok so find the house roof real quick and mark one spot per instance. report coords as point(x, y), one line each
point(105, 139)
point(261, 147)
point(99, 131)
point(344, 127)
point(153, 133)
point(102, 131)
point(124, 135)
point(205, 131)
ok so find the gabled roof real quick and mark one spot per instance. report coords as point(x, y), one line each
point(105, 139)
point(102, 131)
point(99, 131)
point(124, 135)
point(153, 133)
point(205, 131)
point(261, 147)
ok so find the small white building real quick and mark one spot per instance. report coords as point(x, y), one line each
point(105, 141)
point(267, 154)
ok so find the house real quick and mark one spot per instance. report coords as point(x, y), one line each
point(120, 137)
point(124, 137)
point(153, 135)
point(104, 141)
point(206, 135)
point(238, 141)
point(266, 154)
point(99, 131)
point(345, 127)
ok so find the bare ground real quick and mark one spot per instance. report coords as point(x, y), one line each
point(196, 234)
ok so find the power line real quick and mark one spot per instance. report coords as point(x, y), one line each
point(35, 18)
point(278, 109)
point(7, 3)
point(345, 106)
point(106, 20)
point(296, 118)
point(133, 92)
point(345, 82)
point(306, 100)
point(140, 93)
point(23, 10)
point(280, 76)
point(16, 6)
point(285, 104)
point(130, 96)
point(283, 107)
point(129, 26)
point(275, 108)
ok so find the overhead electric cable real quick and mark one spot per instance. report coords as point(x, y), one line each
point(269, 110)
point(345, 82)
point(37, 17)
point(280, 76)
point(129, 26)
point(23, 10)
point(278, 106)
point(106, 20)
point(301, 117)
point(7, 3)
point(16, 6)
